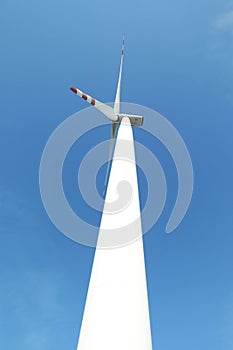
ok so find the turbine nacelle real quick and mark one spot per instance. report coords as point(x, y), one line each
point(135, 120)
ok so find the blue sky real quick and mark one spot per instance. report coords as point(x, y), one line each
point(179, 62)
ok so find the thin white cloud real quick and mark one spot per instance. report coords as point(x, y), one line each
point(225, 22)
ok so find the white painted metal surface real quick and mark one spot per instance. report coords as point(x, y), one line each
point(102, 107)
point(116, 315)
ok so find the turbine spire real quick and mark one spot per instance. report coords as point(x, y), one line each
point(118, 93)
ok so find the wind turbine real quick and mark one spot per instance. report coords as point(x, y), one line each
point(116, 314)
point(113, 114)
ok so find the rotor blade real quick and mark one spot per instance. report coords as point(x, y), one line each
point(103, 108)
point(111, 149)
point(118, 93)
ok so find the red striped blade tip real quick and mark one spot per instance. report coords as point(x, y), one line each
point(74, 90)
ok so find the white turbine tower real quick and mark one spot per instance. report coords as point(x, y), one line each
point(116, 314)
